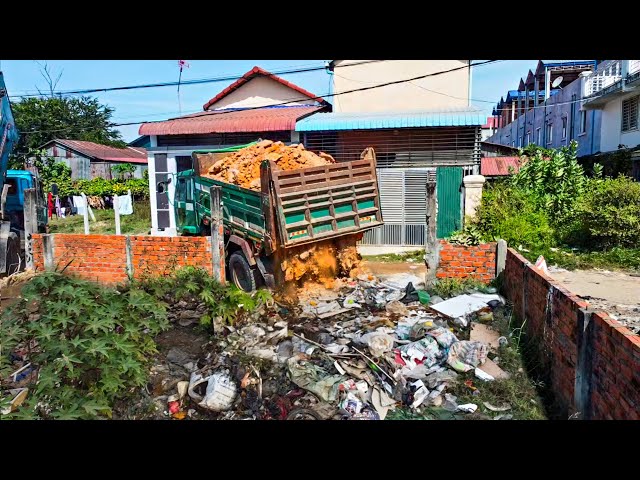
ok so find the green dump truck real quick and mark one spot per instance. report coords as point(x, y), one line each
point(293, 208)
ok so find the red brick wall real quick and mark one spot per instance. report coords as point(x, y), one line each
point(103, 258)
point(551, 313)
point(162, 255)
point(459, 261)
point(615, 386)
point(38, 258)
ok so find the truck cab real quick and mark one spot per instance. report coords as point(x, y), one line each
point(19, 181)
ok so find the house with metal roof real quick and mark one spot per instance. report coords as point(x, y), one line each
point(257, 105)
point(425, 133)
point(89, 160)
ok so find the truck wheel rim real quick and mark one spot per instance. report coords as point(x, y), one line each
point(239, 279)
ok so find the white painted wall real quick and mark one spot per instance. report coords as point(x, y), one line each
point(413, 95)
point(260, 92)
point(611, 128)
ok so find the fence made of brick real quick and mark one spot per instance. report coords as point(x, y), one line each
point(460, 261)
point(113, 259)
point(592, 362)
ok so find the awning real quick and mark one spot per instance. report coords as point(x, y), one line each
point(376, 120)
point(265, 119)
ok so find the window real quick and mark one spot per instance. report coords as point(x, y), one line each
point(549, 133)
point(630, 114)
point(583, 121)
point(13, 186)
point(564, 128)
point(539, 136)
point(528, 138)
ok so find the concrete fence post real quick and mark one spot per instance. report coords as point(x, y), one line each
point(86, 214)
point(48, 251)
point(217, 234)
point(501, 256)
point(30, 224)
point(472, 194)
point(116, 210)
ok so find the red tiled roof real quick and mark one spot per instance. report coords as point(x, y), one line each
point(497, 166)
point(259, 72)
point(105, 152)
point(266, 119)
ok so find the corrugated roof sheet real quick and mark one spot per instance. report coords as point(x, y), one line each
point(498, 166)
point(405, 119)
point(265, 119)
point(105, 152)
point(260, 72)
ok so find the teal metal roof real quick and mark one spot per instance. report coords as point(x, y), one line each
point(459, 117)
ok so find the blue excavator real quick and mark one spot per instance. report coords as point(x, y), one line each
point(13, 184)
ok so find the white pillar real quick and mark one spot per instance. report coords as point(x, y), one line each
point(472, 194)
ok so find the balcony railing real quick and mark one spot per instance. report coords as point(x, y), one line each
point(604, 78)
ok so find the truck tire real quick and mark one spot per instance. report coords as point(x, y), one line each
point(12, 257)
point(242, 275)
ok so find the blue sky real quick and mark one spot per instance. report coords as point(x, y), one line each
point(490, 82)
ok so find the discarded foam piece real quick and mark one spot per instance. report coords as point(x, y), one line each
point(467, 408)
point(482, 375)
point(460, 306)
point(491, 368)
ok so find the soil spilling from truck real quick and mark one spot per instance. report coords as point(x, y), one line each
point(242, 167)
point(322, 262)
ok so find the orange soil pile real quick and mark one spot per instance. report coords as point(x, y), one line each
point(323, 262)
point(242, 168)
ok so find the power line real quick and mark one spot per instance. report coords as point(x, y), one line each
point(214, 113)
point(185, 82)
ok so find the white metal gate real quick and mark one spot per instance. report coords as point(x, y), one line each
point(403, 201)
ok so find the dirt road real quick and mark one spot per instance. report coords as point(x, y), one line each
point(615, 292)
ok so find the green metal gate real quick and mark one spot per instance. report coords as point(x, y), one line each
point(448, 183)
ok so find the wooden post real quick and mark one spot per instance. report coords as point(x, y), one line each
point(217, 234)
point(86, 214)
point(116, 209)
point(30, 224)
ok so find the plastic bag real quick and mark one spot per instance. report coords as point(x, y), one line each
point(465, 355)
point(443, 336)
point(425, 351)
point(379, 343)
point(221, 392)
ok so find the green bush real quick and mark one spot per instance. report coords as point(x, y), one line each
point(91, 344)
point(225, 301)
point(510, 213)
point(609, 214)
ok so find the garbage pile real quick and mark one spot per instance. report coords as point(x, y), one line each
point(243, 166)
point(356, 351)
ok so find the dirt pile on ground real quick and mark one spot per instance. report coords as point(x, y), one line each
point(322, 262)
point(242, 168)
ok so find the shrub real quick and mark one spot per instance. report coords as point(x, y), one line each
point(224, 301)
point(609, 214)
point(91, 344)
point(508, 212)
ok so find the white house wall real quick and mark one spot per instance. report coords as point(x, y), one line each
point(612, 134)
point(260, 92)
point(415, 95)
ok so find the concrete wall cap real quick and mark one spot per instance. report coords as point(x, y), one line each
point(473, 179)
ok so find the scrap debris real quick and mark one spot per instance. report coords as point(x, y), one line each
point(242, 167)
point(356, 351)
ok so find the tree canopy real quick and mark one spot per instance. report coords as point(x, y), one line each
point(40, 120)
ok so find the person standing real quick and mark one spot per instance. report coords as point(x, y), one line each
point(50, 204)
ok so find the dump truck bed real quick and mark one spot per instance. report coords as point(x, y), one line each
point(296, 207)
